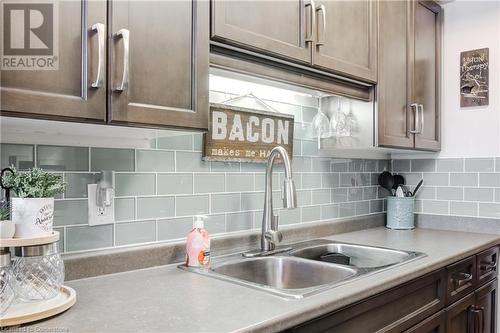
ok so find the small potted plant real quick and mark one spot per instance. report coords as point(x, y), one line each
point(7, 226)
point(33, 206)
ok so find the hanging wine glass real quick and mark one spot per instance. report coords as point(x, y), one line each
point(338, 120)
point(320, 125)
point(351, 122)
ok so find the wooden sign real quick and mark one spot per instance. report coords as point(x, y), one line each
point(245, 135)
point(474, 78)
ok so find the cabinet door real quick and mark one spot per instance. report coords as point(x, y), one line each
point(459, 316)
point(433, 324)
point(159, 63)
point(486, 303)
point(65, 93)
point(394, 114)
point(346, 40)
point(426, 73)
point(274, 27)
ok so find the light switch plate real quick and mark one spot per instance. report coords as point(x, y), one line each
point(98, 215)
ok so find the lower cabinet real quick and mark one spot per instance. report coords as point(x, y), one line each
point(461, 298)
point(459, 316)
point(433, 324)
point(475, 313)
point(395, 310)
point(485, 308)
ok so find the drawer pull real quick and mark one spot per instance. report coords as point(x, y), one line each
point(461, 279)
point(488, 266)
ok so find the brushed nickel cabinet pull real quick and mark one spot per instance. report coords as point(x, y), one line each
point(312, 21)
point(421, 119)
point(414, 107)
point(488, 266)
point(124, 34)
point(461, 279)
point(321, 41)
point(100, 29)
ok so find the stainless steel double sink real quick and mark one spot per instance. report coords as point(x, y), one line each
point(300, 271)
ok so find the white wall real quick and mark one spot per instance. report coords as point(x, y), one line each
point(470, 132)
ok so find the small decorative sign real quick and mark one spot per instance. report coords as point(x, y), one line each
point(245, 135)
point(474, 78)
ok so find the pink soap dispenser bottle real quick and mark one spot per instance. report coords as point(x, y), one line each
point(198, 244)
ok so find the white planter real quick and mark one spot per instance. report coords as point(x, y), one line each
point(32, 216)
point(7, 229)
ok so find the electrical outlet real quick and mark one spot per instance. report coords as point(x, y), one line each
point(99, 215)
point(101, 211)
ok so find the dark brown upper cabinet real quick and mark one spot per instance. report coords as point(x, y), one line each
point(393, 91)
point(277, 27)
point(159, 63)
point(346, 38)
point(156, 72)
point(408, 74)
point(426, 73)
point(332, 36)
point(77, 89)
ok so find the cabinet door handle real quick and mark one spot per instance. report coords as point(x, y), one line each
point(471, 320)
point(312, 21)
point(421, 118)
point(481, 320)
point(124, 34)
point(100, 29)
point(461, 279)
point(475, 313)
point(321, 41)
point(414, 107)
point(488, 266)
point(475, 319)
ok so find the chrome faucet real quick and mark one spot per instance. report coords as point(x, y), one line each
point(270, 234)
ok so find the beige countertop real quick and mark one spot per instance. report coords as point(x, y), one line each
point(167, 299)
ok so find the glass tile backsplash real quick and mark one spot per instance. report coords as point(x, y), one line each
point(454, 186)
point(158, 191)
point(161, 186)
point(161, 180)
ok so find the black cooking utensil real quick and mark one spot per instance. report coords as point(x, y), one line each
point(398, 181)
point(418, 186)
point(2, 185)
point(386, 180)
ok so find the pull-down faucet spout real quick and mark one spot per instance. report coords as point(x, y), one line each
point(270, 234)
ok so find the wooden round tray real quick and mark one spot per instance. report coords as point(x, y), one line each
point(46, 239)
point(25, 312)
